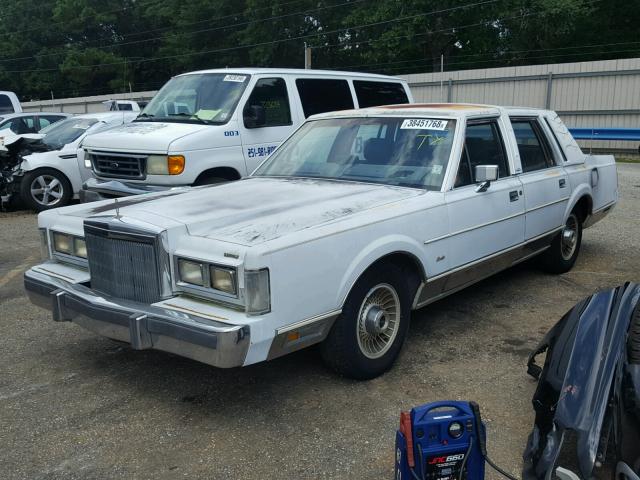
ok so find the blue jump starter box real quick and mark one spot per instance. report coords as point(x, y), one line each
point(437, 441)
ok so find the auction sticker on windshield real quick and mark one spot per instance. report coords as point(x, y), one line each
point(424, 124)
point(234, 78)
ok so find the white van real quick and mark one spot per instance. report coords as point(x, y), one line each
point(213, 126)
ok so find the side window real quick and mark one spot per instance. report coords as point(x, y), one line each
point(535, 153)
point(319, 95)
point(482, 146)
point(5, 104)
point(268, 104)
point(21, 125)
point(371, 94)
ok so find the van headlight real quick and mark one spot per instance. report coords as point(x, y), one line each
point(257, 291)
point(165, 164)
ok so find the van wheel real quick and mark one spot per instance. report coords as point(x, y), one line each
point(563, 252)
point(367, 336)
point(45, 188)
point(209, 181)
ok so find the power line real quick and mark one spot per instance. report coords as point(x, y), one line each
point(223, 27)
point(511, 52)
point(272, 42)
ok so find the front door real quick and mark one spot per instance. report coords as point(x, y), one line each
point(485, 227)
point(265, 121)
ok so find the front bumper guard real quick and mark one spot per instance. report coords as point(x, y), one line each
point(94, 189)
point(143, 326)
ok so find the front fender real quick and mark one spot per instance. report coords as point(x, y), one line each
point(374, 251)
point(67, 166)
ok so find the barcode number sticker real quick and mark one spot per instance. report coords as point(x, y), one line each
point(423, 124)
point(234, 78)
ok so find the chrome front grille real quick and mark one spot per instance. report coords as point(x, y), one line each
point(108, 164)
point(123, 264)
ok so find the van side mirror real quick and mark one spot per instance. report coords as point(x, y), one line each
point(484, 175)
point(254, 116)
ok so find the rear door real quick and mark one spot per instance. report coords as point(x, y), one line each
point(483, 226)
point(272, 96)
point(545, 183)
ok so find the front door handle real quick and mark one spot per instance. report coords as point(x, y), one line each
point(513, 196)
point(562, 182)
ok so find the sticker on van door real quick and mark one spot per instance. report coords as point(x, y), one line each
point(253, 152)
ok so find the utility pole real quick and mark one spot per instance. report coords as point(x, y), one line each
point(441, 76)
point(307, 56)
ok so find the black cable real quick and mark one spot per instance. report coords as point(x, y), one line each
point(499, 470)
point(466, 457)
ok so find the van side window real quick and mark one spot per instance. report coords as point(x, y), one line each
point(482, 146)
point(535, 152)
point(371, 94)
point(5, 104)
point(320, 95)
point(268, 104)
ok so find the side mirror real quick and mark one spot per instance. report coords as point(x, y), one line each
point(484, 175)
point(254, 116)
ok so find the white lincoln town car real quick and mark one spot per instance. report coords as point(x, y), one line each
point(358, 218)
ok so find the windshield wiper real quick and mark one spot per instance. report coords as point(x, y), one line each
point(145, 115)
point(193, 116)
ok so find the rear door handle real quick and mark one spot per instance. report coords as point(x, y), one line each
point(562, 182)
point(513, 196)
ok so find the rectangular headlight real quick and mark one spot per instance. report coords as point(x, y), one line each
point(79, 247)
point(223, 279)
point(157, 165)
point(63, 243)
point(258, 295)
point(191, 272)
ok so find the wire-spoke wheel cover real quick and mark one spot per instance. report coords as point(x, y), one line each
point(46, 190)
point(569, 239)
point(378, 321)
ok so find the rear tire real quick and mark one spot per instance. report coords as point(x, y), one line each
point(45, 188)
point(563, 252)
point(367, 337)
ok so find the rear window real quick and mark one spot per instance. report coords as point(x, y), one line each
point(372, 94)
point(320, 95)
point(5, 104)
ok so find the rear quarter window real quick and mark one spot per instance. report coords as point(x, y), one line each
point(5, 104)
point(372, 94)
point(323, 95)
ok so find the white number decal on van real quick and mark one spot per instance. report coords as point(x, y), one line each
point(234, 78)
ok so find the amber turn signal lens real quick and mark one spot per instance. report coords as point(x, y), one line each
point(175, 164)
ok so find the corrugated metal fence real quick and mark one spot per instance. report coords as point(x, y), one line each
point(586, 94)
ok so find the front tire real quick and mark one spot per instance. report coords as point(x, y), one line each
point(44, 189)
point(367, 337)
point(563, 252)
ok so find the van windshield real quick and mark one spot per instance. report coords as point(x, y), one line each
point(407, 152)
point(209, 98)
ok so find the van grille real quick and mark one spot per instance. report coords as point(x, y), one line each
point(118, 166)
point(123, 265)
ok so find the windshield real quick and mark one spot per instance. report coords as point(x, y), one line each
point(197, 98)
point(409, 152)
point(66, 131)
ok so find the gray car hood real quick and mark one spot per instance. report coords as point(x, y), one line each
point(255, 210)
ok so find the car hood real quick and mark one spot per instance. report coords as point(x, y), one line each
point(254, 210)
point(154, 137)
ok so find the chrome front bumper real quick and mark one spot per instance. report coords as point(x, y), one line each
point(94, 189)
point(143, 326)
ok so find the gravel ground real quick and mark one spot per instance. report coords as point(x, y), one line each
point(74, 405)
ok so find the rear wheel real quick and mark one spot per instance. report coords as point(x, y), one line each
point(367, 336)
point(563, 252)
point(45, 188)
